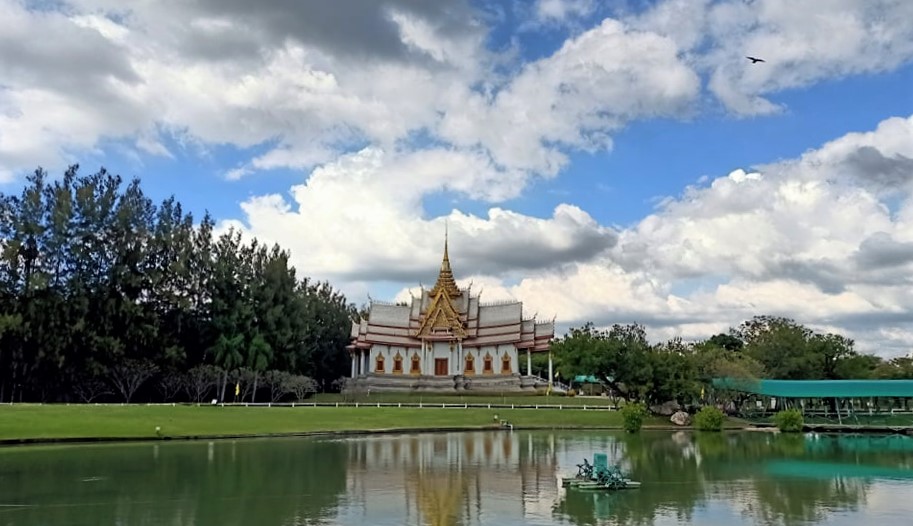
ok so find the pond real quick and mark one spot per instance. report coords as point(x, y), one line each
point(501, 478)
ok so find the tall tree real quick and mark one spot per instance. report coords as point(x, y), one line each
point(94, 276)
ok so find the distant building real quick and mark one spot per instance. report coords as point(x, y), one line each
point(446, 340)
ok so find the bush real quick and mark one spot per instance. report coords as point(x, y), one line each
point(789, 421)
point(571, 393)
point(632, 416)
point(709, 418)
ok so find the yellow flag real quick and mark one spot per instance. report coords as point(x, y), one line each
point(237, 388)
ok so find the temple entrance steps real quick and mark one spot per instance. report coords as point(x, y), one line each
point(542, 384)
point(495, 383)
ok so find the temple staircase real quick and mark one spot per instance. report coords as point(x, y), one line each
point(542, 384)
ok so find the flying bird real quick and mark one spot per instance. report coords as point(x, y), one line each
point(755, 60)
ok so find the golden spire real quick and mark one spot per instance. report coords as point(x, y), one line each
point(446, 262)
point(442, 313)
point(445, 281)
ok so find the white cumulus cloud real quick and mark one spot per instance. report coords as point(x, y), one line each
point(810, 238)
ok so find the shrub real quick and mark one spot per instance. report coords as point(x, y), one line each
point(632, 416)
point(709, 418)
point(789, 420)
point(570, 392)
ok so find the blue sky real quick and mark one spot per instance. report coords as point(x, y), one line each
point(613, 162)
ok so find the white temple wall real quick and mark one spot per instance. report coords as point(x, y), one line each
point(511, 351)
point(456, 359)
point(441, 350)
point(382, 350)
point(488, 349)
point(497, 353)
point(389, 353)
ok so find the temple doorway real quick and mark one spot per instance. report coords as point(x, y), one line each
point(440, 367)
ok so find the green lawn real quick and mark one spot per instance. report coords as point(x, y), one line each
point(112, 421)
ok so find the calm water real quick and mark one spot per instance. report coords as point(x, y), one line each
point(496, 478)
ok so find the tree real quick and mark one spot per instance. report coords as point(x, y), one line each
point(895, 369)
point(830, 351)
point(171, 383)
point(259, 355)
point(88, 388)
point(130, 374)
point(227, 354)
point(300, 386)
point(8, 324)
point(730, 342)
point(781, 345)
point(94, 275)
point(200, 380)
point(674, 375)
point(245, 379)
point(619, 356)
point(278, 383)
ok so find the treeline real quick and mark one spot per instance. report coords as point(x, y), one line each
point(104, 295)
point(763, 347)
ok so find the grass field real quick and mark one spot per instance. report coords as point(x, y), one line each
point(44, 422)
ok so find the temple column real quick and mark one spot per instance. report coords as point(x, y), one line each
point(529, 363)
point(353, 365)
point(550, 375)
point(460, 360)
point(425, 358)
point(426, 361)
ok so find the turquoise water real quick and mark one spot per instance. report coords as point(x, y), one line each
point(499, 478)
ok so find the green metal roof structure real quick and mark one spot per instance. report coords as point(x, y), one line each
point(819, 388)
point(581, 379)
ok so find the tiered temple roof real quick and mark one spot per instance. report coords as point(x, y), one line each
point(450, 313)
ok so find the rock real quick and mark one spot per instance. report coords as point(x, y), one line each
point(681, 418)
point(666, 409)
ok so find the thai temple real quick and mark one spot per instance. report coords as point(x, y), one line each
point(447, 340)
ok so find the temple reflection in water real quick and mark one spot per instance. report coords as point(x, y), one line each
point(450, 479)
point(498, 477)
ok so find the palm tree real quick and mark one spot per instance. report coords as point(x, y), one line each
point(227, 353)
point(259, 356)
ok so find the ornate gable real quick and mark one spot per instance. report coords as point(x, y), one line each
point(442, 317)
